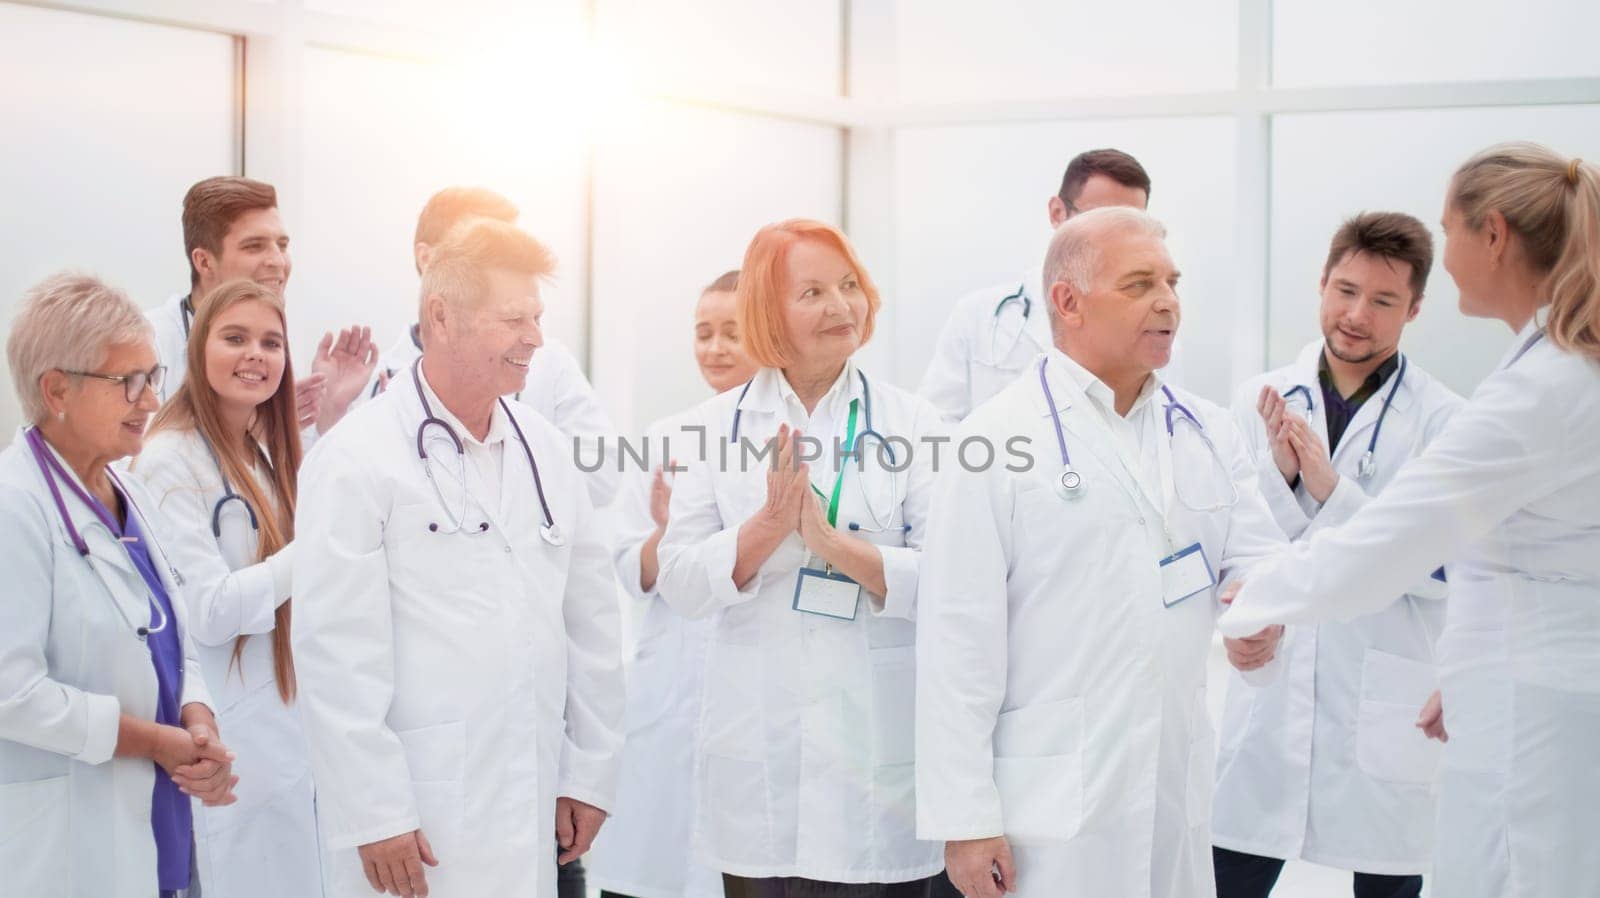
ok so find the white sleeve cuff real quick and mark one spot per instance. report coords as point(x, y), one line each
point(721, 554)
point(281, 564)
point(900, 577)
point(104, 720)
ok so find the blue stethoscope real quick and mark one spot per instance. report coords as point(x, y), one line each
point(186, 313)
point(879, 522)
point(1020, 296)
point(1070, 484)
point(549, 531)
point(1367, 466)
point(228, 495)
point(51, 469)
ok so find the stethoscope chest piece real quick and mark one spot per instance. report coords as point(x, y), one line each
point(1366, 467)
point(1070, 484)
point(552, 535)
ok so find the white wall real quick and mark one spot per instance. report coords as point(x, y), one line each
point(106, 124)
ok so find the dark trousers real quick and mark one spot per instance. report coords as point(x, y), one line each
point(794, 887)
point(1242, 875)
point(943, 887)
point(570, 879)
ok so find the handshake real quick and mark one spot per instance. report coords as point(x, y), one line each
point(1250, 652)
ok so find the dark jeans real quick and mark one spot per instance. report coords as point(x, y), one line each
point(943, 887)
point(1242, 875)
point(794, 887)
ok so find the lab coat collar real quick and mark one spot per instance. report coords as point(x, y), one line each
point(1038, 326)
point(1305, 374)
point(1084, 427)
point(499, 427)
point(107, 557)
point(770, 391)
point(1085, 383)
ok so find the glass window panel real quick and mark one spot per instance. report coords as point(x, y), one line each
point(1327, 167)
point(951, 50)
point(971, 210)
point(107, 123)
point(366, 178)
point(1383, 42)
point(793, 48)
point(677, 200)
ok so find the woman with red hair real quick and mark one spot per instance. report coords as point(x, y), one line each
point(802, 537)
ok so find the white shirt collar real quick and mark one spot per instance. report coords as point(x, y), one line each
point(1096, 389)
point(499, 427)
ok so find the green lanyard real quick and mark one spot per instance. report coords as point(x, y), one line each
point(838, 482)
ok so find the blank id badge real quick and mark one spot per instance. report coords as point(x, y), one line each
point(1184, 574)
point(824, 591)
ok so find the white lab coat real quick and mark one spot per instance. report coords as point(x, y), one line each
point(555, 388)
point(980, 351)
point(265, 844)
point(1326, 763)
point(171, 325)
point(455, 682)
point(985, 345)
point(645, 848)
point(806, 733)
point(1059, 702)
point(74, 821)
point(1509, 494)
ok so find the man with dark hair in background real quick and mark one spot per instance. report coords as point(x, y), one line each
point(993, 333)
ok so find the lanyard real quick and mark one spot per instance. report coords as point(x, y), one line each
point(838, 482)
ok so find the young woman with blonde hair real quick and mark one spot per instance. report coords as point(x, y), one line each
point(222, 460)
point(1508, 497)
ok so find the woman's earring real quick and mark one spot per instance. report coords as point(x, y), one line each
point(61, 415)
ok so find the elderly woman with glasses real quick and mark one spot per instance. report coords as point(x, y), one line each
point(105, 725)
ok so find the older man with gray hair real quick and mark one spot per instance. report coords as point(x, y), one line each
point(1063, 744)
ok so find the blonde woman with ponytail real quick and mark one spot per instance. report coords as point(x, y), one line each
point(222, 460)
point(1507, 498)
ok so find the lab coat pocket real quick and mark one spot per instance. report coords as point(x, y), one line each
point(437, 758)
point(35, 837)
point(894, 699)
point(732, 724)
point(1389, 746)
point(1038, 770)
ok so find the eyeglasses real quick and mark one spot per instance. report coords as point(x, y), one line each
point(132, 384)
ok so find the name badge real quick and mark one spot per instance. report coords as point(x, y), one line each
point(1184, 574)
point(826, 592)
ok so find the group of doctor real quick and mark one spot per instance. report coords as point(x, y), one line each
point(908, 666)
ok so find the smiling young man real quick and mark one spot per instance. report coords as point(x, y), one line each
point(231, 230)
point(1330, 762)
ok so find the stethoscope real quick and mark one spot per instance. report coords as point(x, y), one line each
point(51, 469)
point(228, 495)
point(1069, 485)
point(186, 314)
point(548, 531)
point(879, 522)
point(1367, 466)
point(1020, 297)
